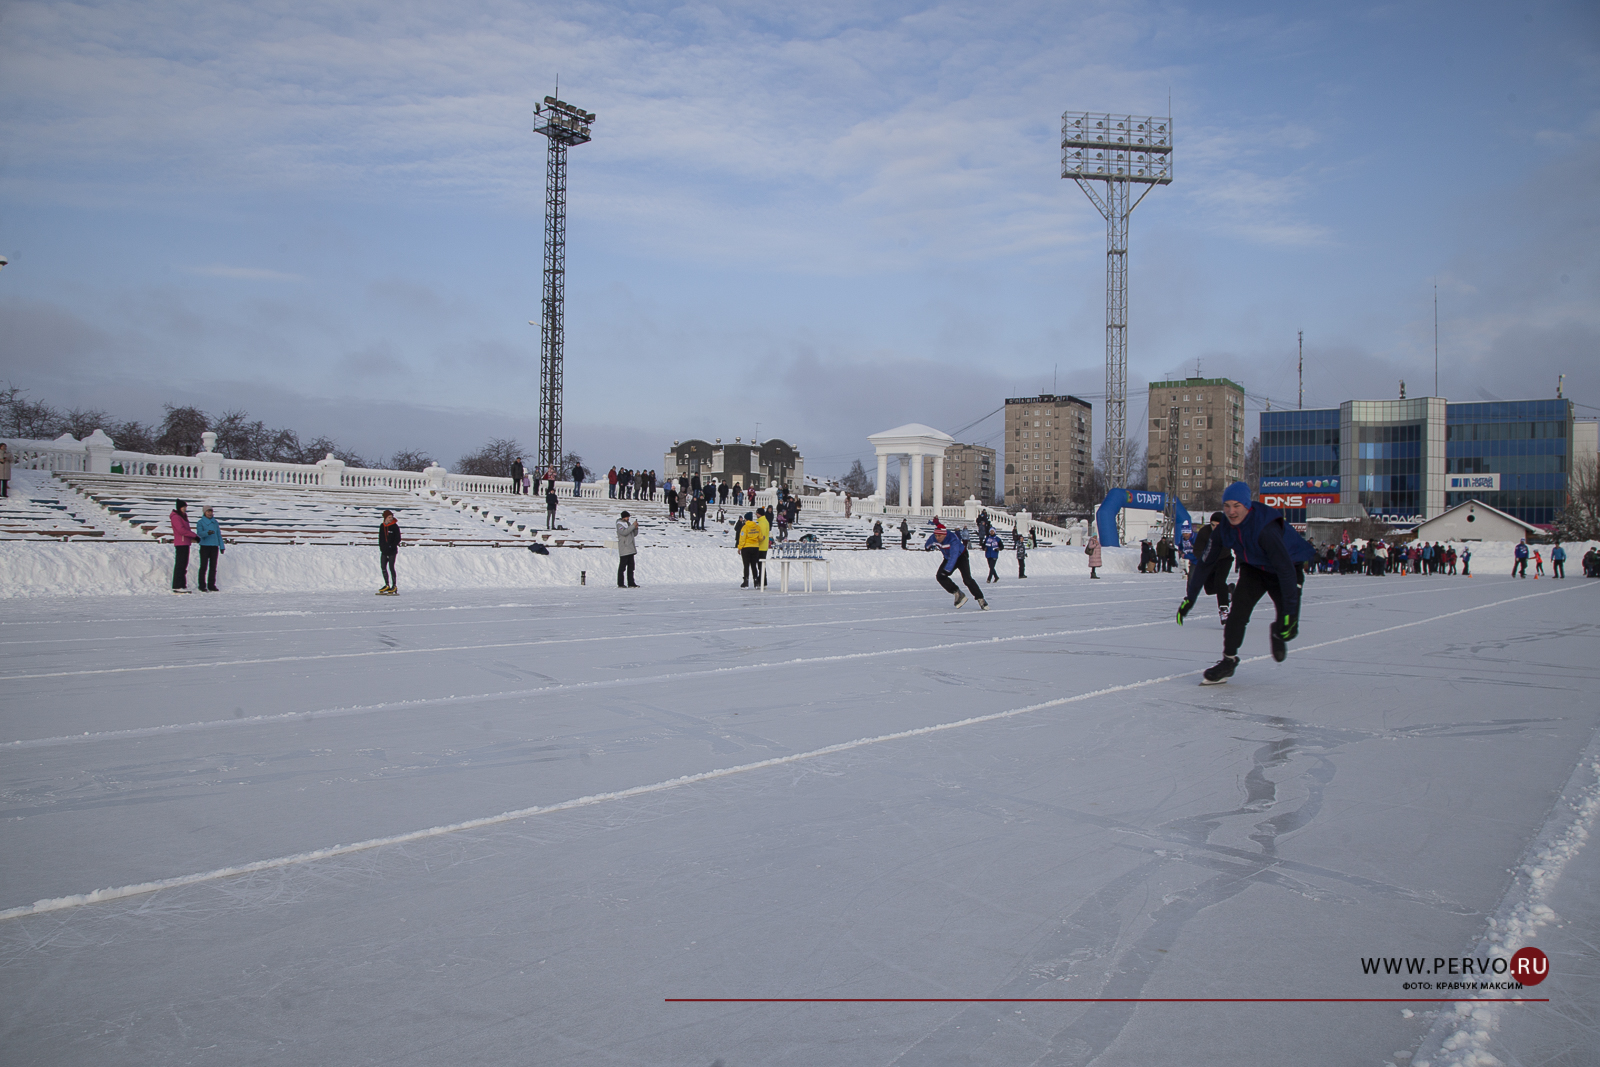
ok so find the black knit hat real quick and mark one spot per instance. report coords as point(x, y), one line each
point(181, 504)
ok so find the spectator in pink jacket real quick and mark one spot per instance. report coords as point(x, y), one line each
point(182, 538)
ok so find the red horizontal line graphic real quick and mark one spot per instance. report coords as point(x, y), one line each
point(1104, 1000)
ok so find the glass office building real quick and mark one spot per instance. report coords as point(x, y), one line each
point(1409, 460)
point(1300, 459)
point(1514, 455)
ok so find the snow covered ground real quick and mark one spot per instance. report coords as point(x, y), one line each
point(573, 806)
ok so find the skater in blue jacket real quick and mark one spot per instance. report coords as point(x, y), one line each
point(953, 549)
point(1267, 550)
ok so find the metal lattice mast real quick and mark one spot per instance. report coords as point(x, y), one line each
point(1122, 151)
point(564, 126)
point(1117, 333)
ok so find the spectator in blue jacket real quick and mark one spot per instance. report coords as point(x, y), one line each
point(209, 534)
point(991, 552)
point(1519, 559)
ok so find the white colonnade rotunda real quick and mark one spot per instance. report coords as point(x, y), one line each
point(910, 443)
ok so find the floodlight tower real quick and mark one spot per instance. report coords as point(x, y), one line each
point(564, 126)
point(1122, 151)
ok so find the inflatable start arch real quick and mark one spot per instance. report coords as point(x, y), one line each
point(1106, 518)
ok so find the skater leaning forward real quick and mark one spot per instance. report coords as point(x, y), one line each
point(1266, 549)
point(1217, 583)
point(388, 553)
point(953, 548)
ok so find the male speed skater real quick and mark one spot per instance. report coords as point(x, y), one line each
point(1217, 584)
point(953, 548)
point(1266, 549)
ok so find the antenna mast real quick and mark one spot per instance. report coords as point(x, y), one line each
point(1302, 370)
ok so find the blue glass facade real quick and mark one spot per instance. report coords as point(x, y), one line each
point(1527, 443)
point(1300, 454)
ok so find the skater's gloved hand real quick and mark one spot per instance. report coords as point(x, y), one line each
point(1288, 628)
point(1183, 609)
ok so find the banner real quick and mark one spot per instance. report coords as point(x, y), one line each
point(1297, 500)
point(1325, 484)
point(1470, 483)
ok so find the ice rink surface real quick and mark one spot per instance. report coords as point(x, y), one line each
point(703, 792)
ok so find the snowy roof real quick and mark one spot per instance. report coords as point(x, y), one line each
point(1475, 504)
point(911, 429)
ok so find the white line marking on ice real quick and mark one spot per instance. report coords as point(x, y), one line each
point(120, 892)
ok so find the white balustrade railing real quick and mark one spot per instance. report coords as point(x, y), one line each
point(63, 454)
point(147, 466)
point(265, 472)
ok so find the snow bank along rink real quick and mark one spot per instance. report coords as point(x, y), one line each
point(537, 825)
point(29, 569)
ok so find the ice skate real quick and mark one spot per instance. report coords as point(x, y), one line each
point(1280, 648)
point(1222, 615)
point(1220, 672)
point(961, 598)
point(983, 605)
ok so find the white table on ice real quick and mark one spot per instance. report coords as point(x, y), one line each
point(783, 571)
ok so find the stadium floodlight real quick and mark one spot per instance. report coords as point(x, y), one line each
point(1122, 151)
point(564, 126)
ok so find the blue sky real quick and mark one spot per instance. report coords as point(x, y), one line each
point(808, 221)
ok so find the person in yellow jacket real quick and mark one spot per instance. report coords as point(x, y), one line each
point(755, 536)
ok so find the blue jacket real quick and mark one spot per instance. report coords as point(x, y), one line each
point(1263, 541)
point(953, 548)
point(1557, 554)
point(1520, 552)
point(208, 532)
point(992, 545)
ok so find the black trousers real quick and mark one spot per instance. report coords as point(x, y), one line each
point(1519, 568)
point(180, 567)
point(625, 566)
point(1254, 583)
point(1558, 568)
point(992, 561)
point(1022, 566)
point(208, 567)
point(386, 562)
point(752, 563)
point(965, 567)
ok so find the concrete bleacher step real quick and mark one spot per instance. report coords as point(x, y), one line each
point(270, 514)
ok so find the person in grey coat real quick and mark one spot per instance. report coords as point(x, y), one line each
point(627, 530)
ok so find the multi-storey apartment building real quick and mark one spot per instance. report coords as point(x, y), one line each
point(969, 471)
point(1049, 450)
point(1204, 419)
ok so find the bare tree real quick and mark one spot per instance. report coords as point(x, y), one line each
point(81, 422)
point(568, 461)
point(1104, 464)
point(408, 459)
point(493, 460)
point(181, 429)
point(20, 417)
point(1252, 465)
point(133, 436)
point(857, 482)
point(1580, 519)
point(322, 447)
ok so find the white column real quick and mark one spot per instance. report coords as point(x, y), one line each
point(938, 481)
point(905, 481)
point(916, 481)
point(883, 478)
